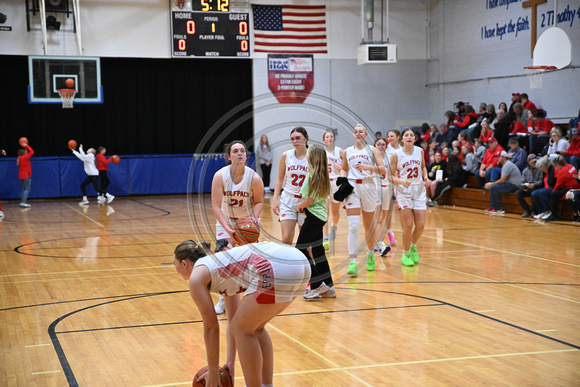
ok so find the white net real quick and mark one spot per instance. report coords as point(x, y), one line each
point(67, 96)
point(535, 75)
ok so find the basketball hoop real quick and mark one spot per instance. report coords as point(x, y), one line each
point(535, 74)
point(67, 96)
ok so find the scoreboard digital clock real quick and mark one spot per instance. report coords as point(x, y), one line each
point(210, 30)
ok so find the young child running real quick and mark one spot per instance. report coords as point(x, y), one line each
point(103, 167)
point(334, 156)
point(410, 178)
point(92, 174)
point(24, 171)
point(315, 191)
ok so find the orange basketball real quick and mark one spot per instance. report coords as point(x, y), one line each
point(246, 231)
point(225, 378)
point(23, 140)
point(70, 83)
point(116, 159)
point(72, 144)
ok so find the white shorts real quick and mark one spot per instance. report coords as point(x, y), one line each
point(333, 189)
point(363, 196)
point(385, 197)
point(288, 211)
point(414, 197)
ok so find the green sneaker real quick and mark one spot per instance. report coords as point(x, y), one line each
point(352, 269)
point(370, 261)
point(407, 260)
point(326, 244)
point(413, 254)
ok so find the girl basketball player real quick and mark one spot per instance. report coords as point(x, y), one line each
point(291, 175)
point(103, 167)
point(315, 191)
point(393, 138)
point(92, 174)
point(236, 192)
point(359, 163)
point(410, 179)
point(272, 276)
point(385, 190)
point(334, 156)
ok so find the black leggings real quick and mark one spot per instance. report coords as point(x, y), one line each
point(311, 236)
point(104, 180)
point(89, 180)
point(266, 170)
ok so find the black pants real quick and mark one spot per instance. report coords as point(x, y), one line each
point(555, 197)
point(104, 180)
point(266, 169)
point(89, 180)
point(440, 189)
point(525, 193)
point(311, 236)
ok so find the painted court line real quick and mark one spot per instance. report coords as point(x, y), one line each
point(398, 364)
point(46, 372)
point(37, 345)
point(546, 330)
point(80, 212)
point(484, 311)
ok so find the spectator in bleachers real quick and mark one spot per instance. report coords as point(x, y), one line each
point(574, 122)
point(438, 164)
point(565, 181)
point(425, 133)
point(532, 179)
point(516, 98)
point(450, 116)
point(572, 154)
point(446, 136)
point(463, 124)
point(543, 127)
point(573, 199)
point(509, 181)
point(558, 143)
point(541, 196)
point(482, 112)
point(521, 113)
point(526, 103)
point(517, 155)
point(503, 128)
point(486, 132)
point(431, 148)
point(460, 108)
point(433, 131)
point(503, 106)
point(499, 115)
point(491, 114)
point(455, 178)
point(470, 163)
point(531, 125)
point(445, 152)
point(490, 161)
point(479, 150)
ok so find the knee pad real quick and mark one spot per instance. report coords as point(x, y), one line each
point(353, 229)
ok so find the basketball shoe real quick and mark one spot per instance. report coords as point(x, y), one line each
point(370, 261)
point(413, 254)
point(352, 269)
point(406, 260)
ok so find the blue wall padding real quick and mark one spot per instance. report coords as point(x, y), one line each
point(54, 177)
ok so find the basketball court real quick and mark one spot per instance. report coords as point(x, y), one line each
point(90, 297)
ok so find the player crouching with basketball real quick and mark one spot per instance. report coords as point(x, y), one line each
point(272, 275)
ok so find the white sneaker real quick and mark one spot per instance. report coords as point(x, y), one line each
point(110, 198)
point(101, 199)
point(83, 202)
point(539, 216)
point(316, 293)
point(220, 307)
point(546, 215)
point(1, 215)
point(25, 205)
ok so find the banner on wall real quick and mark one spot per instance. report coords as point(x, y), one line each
point(290, 77)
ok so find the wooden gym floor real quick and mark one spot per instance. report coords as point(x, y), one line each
point(89, 297)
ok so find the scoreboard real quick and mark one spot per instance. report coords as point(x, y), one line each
point(210, 29)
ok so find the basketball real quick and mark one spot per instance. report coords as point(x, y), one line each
point(116, 159)
point(72, 144)
point(70, 83)
point(23, 140)
point(246, 231)
point(225, 378)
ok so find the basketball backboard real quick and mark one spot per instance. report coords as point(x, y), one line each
point(553, 49)
point(47, 74)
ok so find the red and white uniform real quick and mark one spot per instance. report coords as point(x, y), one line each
point(296, 172)
point(409, 167)
point(272, 272)
point(333, 172)
point(385, 187)
point(237, 199)
point(364, 194)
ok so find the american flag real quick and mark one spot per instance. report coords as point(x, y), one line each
point(290, 28)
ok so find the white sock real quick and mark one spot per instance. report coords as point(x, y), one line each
point(353, 228)
point(85, 198)
point(353, 260)
point(389, 230)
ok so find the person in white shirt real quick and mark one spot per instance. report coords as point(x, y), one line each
point(92, 175)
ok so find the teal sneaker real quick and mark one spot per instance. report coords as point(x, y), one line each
point(370, 261)
point(413, 254)
point(326, 244)
point(407, 260)
point(352, 269)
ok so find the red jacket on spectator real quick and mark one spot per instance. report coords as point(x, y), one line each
point(530, 105)
point(565, 178)
point(490, 157)
point(24, 169)
point(469, 119)
point(520, 128)
point(573, 149)
point(545, 126)
point(102, 162)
